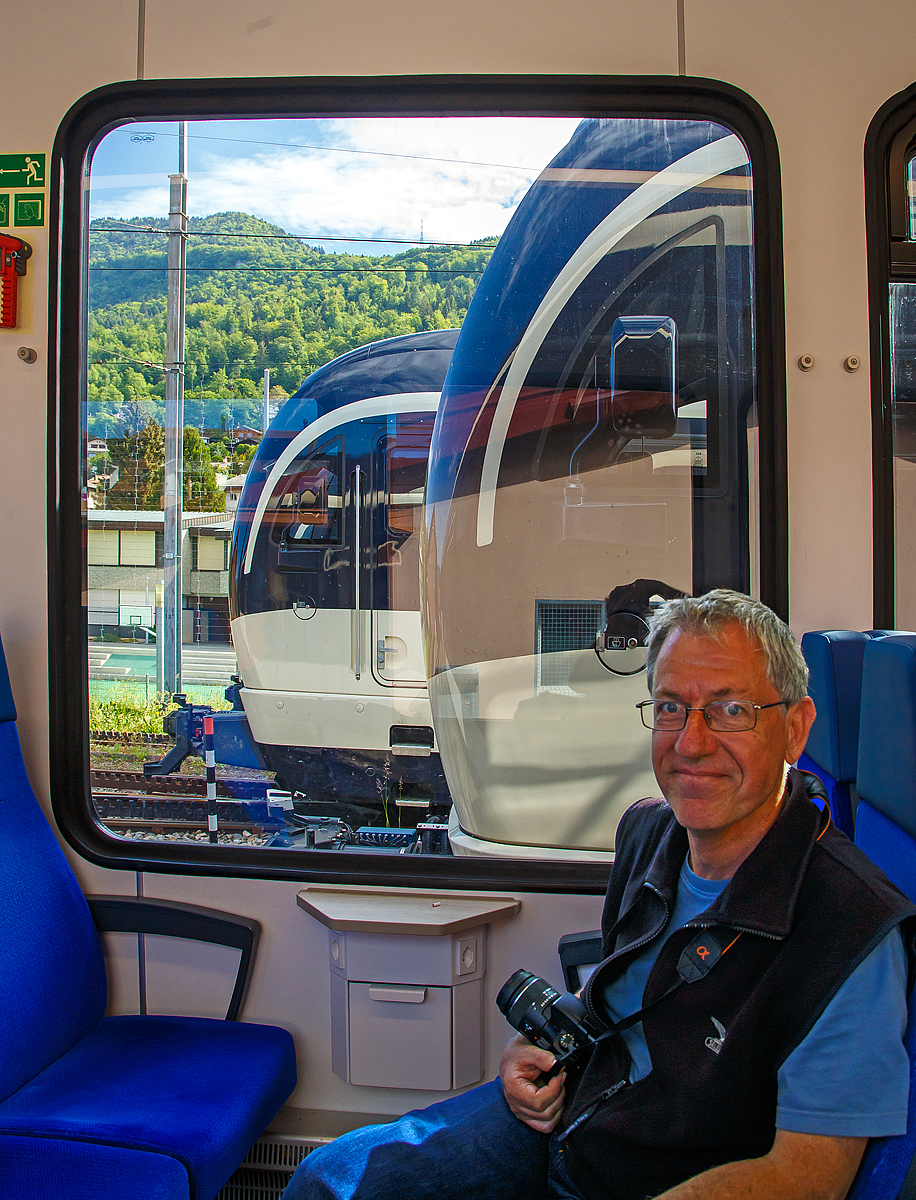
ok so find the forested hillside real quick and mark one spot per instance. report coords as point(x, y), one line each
point(252, 302)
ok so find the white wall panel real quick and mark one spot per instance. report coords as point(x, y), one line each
point(406, 37)
point(187, 978)
point(62, 52)
point(121, 967)
point(291, 983)
point(821, 73)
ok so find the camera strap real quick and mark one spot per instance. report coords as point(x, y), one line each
point(696, 961)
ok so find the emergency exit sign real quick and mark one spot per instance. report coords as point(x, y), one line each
point(22, 170)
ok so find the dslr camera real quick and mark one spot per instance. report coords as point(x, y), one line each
point(554, 1022)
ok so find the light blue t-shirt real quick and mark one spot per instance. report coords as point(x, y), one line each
point(850, 1076)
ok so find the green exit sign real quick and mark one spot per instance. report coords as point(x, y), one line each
point(29, 209)
point(22, 170)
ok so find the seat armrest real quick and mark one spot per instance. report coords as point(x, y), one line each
point(139, 914)
point(579, 954)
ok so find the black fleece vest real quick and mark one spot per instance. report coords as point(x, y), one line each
point(808, 907)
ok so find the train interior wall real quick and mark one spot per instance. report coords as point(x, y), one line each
point(819, 70)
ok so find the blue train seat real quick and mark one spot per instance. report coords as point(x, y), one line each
point(48, 1169)
point(834, 658)
point(886, 776)
point(886, 831)
point(118, 1095)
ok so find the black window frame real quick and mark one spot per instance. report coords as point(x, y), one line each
point(890, 144)
point(473, 95)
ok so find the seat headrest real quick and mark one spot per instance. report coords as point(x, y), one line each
point(834, 658)
point(7, 704)
point(886, 775)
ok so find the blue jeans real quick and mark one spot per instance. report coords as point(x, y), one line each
point(468, 1146)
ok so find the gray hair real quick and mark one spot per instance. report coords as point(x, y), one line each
point(710, 615)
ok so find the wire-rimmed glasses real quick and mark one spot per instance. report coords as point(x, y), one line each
point(722, 716)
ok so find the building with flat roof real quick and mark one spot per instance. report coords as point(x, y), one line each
point(125, 556)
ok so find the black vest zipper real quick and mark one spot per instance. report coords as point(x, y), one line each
point(592, 1109)
point(637, 945)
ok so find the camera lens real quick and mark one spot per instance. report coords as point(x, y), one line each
point(510, 989)
point(525, 1000)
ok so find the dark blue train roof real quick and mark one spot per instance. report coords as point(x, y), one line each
point(602, 165)
point(414, 362)
point(552, 221)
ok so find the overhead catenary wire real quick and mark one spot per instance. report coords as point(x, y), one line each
point(314, 270)
point(142, 362)
point(460, 162)
point(481, 243)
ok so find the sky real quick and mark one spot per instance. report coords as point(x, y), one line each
point(388, 180)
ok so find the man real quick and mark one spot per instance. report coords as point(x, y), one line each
point(754, 958)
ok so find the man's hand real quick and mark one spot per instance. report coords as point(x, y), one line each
point(519, 1069)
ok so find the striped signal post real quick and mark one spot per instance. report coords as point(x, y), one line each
point(210, 761)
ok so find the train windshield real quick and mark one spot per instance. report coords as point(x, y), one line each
point(387, 460)
point(595, 453)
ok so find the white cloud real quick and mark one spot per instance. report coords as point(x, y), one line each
point(123, 182)
point(385, 178)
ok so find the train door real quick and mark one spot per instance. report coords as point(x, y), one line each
point(399, 466)
point(340, 558)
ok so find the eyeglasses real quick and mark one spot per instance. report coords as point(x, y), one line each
point(722, 716)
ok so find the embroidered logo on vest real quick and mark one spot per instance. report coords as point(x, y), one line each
point(715, 1044)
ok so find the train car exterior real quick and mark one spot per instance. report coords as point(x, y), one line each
point(324, 590)
point(831, 90)
point(598, 432)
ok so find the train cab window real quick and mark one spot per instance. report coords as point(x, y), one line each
point(306, 505)
point(472, 385)
point(406, 453)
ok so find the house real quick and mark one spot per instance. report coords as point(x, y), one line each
point(125, 565)
point(232, 490)
point(239, 435)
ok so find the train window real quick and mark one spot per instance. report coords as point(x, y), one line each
point(406, 453)
point(466, 383)
point(903, 431)
point(891, 213)
point(306, 504)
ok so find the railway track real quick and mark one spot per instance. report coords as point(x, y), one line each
point(177, 818)
point(154, 808)
point(167, 830)
point(167, 785)
point(133, 738)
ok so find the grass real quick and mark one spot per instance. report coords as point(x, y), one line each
point(121, 707)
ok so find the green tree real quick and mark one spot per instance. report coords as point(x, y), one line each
point(140, 461)
point(201, 493)
point(241, 459)
point(268, 302)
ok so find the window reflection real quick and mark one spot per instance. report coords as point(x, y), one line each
point(903, 401)
point(598, 436)
point(593, 449)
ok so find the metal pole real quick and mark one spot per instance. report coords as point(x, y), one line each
point(174, 420)
point(266, 398)
point(160, 679)
point(210, 762)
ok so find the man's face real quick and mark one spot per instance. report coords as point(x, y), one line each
point(723, 781)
